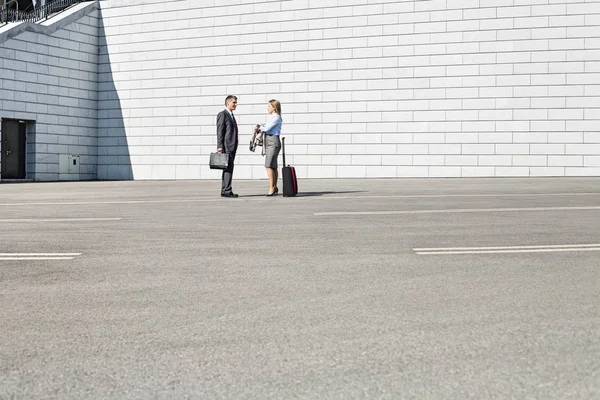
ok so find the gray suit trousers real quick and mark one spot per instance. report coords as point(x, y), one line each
point(227, 176)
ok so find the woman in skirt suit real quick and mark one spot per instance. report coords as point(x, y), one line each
point(272, 144)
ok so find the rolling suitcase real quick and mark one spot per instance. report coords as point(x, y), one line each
point(290, 183)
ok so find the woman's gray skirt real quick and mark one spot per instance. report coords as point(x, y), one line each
point(272, 152)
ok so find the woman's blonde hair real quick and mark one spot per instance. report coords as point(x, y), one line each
point(276, 105)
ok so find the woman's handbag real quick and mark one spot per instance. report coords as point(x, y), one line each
point(219, 161)
point(258, 139)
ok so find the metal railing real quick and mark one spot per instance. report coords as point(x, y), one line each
point(6, 13)
point(53, 7)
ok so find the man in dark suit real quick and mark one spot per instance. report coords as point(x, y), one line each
point(227, 141)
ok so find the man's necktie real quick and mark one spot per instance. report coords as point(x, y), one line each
point(235, 130)
point(234, 124)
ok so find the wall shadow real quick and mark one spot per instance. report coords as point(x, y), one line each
point(114, 158)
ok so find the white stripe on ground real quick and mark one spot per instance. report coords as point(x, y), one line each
point(300, 197)
point(442, 196)
point(79, 203)
point(59, 220)
point(551, 246)
point(38, 254)
point(443, 253)
point(33, 258)
point(454, 211)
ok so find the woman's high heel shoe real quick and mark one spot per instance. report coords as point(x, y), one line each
point(276, 190)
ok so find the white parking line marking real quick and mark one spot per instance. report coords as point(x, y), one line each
point(34, 258)
point(551, 246)
point(79, 203)
point(59, 219)
point(570, 249)
point(37, 256)
point(454, 211)
point(442, 196)
point(301, 197)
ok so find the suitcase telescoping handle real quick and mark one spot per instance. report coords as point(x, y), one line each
point(283, 150)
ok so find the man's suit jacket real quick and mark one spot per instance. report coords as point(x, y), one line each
point(227, 132)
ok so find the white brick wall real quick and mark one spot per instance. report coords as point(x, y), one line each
point(49, 75)
point(369, 88)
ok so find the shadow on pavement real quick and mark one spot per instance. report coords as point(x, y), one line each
point(309, 194)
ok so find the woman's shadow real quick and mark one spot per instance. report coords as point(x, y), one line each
point(311, 194)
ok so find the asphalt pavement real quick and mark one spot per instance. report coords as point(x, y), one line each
point(355, 289)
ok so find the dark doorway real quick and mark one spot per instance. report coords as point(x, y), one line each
point(13, 149)
point(25, 5)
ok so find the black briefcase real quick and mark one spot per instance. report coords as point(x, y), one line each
point(219, 161)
